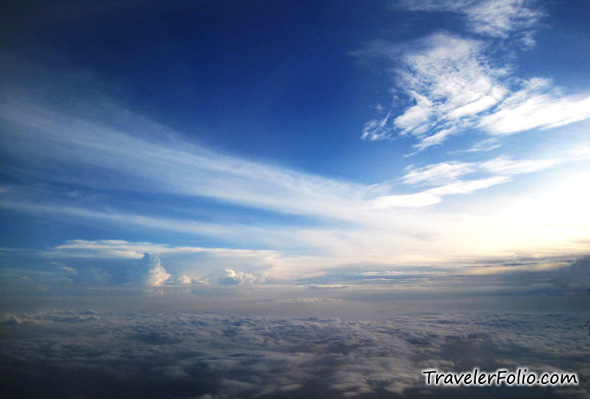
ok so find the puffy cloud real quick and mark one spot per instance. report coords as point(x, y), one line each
point(184, 279)
point(149, 271)
point(232, 277)
point(156, 274)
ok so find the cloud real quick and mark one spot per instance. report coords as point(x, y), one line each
point(444, 173)
point(232, 277)
point(439, 173)
point(495, 18)
point(187, 354)
point(156, 274)
point(147, 271)
point(295, 220)
point(536, 106)
point(452, 84)
point(449, 81)
point(184, 279)
point(485, 146)
point(504, 165)
point(101, 262)
point(142, 152)
point(434, 195)
point(122, 249)
point(499, 18)
point(576, 275)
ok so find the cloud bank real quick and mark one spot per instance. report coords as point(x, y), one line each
point(185, 354)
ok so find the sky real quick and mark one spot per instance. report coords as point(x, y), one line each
point(292, 199)
point(220, 143)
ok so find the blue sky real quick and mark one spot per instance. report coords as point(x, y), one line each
point(260, 142)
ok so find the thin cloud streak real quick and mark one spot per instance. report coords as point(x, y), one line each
point(136, 151)
point(352, 222)
point(434, 195)
point(443, 173)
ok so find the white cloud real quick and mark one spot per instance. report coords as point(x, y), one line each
point(377, 129)
point(184, 279)
point(352, 222)
point(468, 186)
point(444, 173)
point(532, 109)
point(499, 18)
point(434, 195)
point(417, 200)
point(121, 249)
point(485, 146)
point(454, 89)
point(65, 268)
point(454, 85)
point(138, 154)
point(503, 165)
point(439, 173)
point(156, 274)
point(495, 18)
point(232, 277)
point(449, 82)
point(188, 265)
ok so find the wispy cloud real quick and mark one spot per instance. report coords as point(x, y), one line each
point(446, 172)
point(446, 179)
point(122, 249)
point(536, 106)
point(449, 82)
point(495, 18)
point(141, 152)
point(484, 146)
point(107, 150)
point(434, 195)
point(503, 165)
point(452, 85)
point(439, 173)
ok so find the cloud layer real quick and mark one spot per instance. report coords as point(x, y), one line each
point(93, 354)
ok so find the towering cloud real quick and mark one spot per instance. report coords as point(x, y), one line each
point(156, 274)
